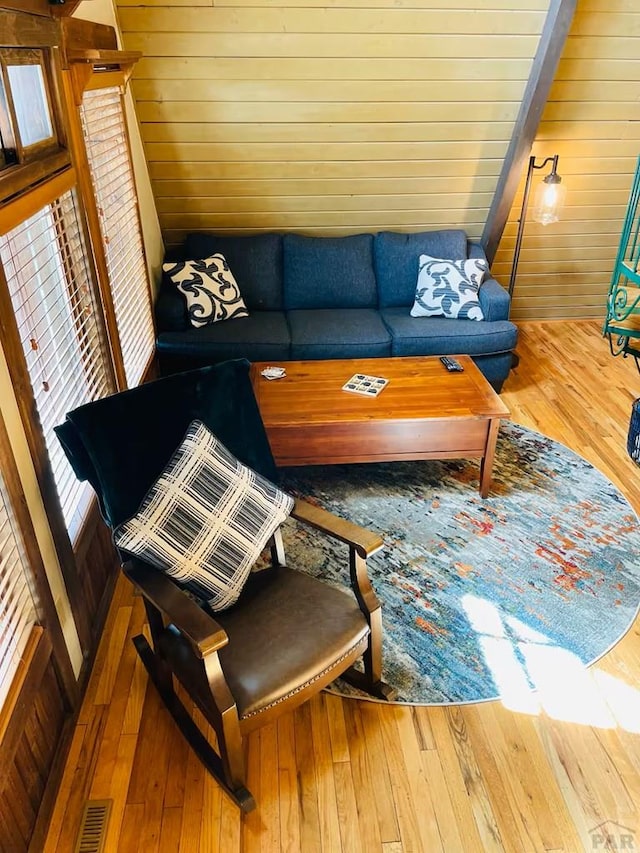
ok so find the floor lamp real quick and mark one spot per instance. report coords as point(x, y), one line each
point(548, 201)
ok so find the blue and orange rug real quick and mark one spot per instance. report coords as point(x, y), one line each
point(479, 595)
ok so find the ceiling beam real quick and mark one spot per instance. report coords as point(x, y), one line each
point(41, 7)
point(65, 10)
point(20, 29)
point(30, 7)
point(545, 63)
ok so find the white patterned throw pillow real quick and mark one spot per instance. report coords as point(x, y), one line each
point(210, 289)
point(449, 288)
point(206, 519)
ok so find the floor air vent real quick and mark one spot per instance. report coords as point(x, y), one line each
point(93, 829)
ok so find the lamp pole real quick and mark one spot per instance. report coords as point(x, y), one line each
point(551, 178)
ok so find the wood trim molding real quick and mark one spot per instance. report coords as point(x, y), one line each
point(47, 613)
point(31, 7)
point(104, 57)
point(22, 178)
point(105, 80)
point(552, 41)
point(35, 658)
point(80, 75)
point(24, 206)
point(84, 64)
point(78, 34)
point(22, 28)
point(41, 7)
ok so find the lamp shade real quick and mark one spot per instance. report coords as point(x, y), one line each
point(549, 199)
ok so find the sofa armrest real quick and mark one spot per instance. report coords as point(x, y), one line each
point(171, 310)
point(494, 300)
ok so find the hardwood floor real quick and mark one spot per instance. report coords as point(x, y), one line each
point(350, 776)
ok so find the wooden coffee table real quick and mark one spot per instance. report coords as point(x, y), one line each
point(424, 412)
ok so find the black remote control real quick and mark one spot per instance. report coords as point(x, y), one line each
point(451, 364)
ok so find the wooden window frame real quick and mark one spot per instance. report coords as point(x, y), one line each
point(11, 216)
point(45, 606)
point(98, 68)
point(82, 343)
point(120, 224)
point(29, 56)
point(92, 555)
point(90, 70)
point(45, 647)
point(26, 36)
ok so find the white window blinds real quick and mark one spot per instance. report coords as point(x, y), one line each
point(44, 261)
point(17, 609)
point(107, 148)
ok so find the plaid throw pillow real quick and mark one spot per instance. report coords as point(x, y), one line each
point(206, 519)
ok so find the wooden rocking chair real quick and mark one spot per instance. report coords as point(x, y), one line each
point(289, 634)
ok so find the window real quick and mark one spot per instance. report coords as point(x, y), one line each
point(107, 146)
point(29, 93)
point(17, 608)
point(27, 116)
point(59, 324)
point(31, 146)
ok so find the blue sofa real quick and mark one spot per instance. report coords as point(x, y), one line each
point(332, 297)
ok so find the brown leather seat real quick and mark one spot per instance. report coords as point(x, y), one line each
point(288, 633)
point(262, 662)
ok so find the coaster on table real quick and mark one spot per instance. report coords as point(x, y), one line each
point(370, 386)
point(273, 372)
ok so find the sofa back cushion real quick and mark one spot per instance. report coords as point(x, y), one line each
point(170, 308)
point(396, 258)
point(255, 261)
point(329, 272)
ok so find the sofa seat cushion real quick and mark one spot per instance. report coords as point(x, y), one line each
point(256, 261)
point(262, 336)
point(396, 258)
point(338, 333)
point(329, 272)
point(442, 336)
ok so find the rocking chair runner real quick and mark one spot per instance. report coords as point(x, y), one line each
point(289, 634)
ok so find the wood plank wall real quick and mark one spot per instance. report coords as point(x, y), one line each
point(327, 116)
point(24, 779)
point(592, 120)
point(339, 116)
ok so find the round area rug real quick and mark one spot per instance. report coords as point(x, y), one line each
point(481, 595)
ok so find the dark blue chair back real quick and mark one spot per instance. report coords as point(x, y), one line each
point(120, 444)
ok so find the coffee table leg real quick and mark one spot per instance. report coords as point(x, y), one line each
point(486, 465)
